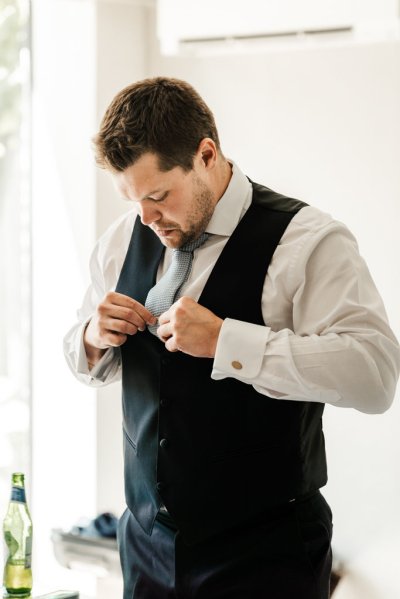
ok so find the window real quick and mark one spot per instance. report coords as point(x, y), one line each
point(15, 241)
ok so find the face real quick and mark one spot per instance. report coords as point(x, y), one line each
point(176, 204)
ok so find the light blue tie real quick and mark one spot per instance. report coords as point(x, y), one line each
point(166, 291)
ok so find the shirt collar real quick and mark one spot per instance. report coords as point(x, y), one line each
point(232, 204)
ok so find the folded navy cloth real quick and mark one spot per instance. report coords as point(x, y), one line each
point(104, 525)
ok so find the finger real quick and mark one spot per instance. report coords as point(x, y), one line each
point(126, 314)
point(121, 326)
point(113, 339)
point(171, 345)
point(119, 299)
point(164, 317)
point(115, 311)
point(164, 331)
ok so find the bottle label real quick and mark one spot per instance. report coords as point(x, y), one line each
point(28, 552)
point(12, 544)
point(18, 495)
point(19, 554)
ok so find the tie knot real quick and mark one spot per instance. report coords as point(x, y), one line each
point(193, 245)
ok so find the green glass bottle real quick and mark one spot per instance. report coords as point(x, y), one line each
point(17, 529)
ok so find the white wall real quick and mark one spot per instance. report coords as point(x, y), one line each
point(83, 53)
point(323, 124)
point(122, 57)
point(64, 412)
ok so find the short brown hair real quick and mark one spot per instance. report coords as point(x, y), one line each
point(161, 115)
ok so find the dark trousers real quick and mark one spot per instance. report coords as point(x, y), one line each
point(284, 554)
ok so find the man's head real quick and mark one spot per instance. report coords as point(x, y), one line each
point(159, 141)
point(163, 116)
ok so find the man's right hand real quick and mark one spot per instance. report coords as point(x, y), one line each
point(116, 317)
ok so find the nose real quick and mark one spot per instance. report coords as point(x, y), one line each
point(148, 213)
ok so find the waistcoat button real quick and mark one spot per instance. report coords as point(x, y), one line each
point(164, 443)
point(160, 486)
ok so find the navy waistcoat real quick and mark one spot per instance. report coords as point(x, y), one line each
point(214, 452)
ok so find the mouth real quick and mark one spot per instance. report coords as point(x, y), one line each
point(163, 232)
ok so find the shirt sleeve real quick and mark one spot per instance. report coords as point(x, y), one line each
point(108, 369)
point(339, 348)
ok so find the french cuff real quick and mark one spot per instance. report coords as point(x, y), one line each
point(240, 349)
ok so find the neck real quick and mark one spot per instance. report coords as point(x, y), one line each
point(224, 177)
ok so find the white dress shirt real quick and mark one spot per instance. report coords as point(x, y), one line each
point(326, 336)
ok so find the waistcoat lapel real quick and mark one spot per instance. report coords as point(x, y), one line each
point(139, 270)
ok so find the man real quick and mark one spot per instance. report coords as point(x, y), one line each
point(232, 315)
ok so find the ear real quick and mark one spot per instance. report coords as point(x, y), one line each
point(207, 153)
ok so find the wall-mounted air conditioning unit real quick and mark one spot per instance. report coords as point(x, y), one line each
point(181, 22)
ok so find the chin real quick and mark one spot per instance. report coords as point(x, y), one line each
point(171, 243)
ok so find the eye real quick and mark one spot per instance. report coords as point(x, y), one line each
point(161, 199)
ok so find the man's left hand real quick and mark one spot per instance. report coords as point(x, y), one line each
point(190, 328)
